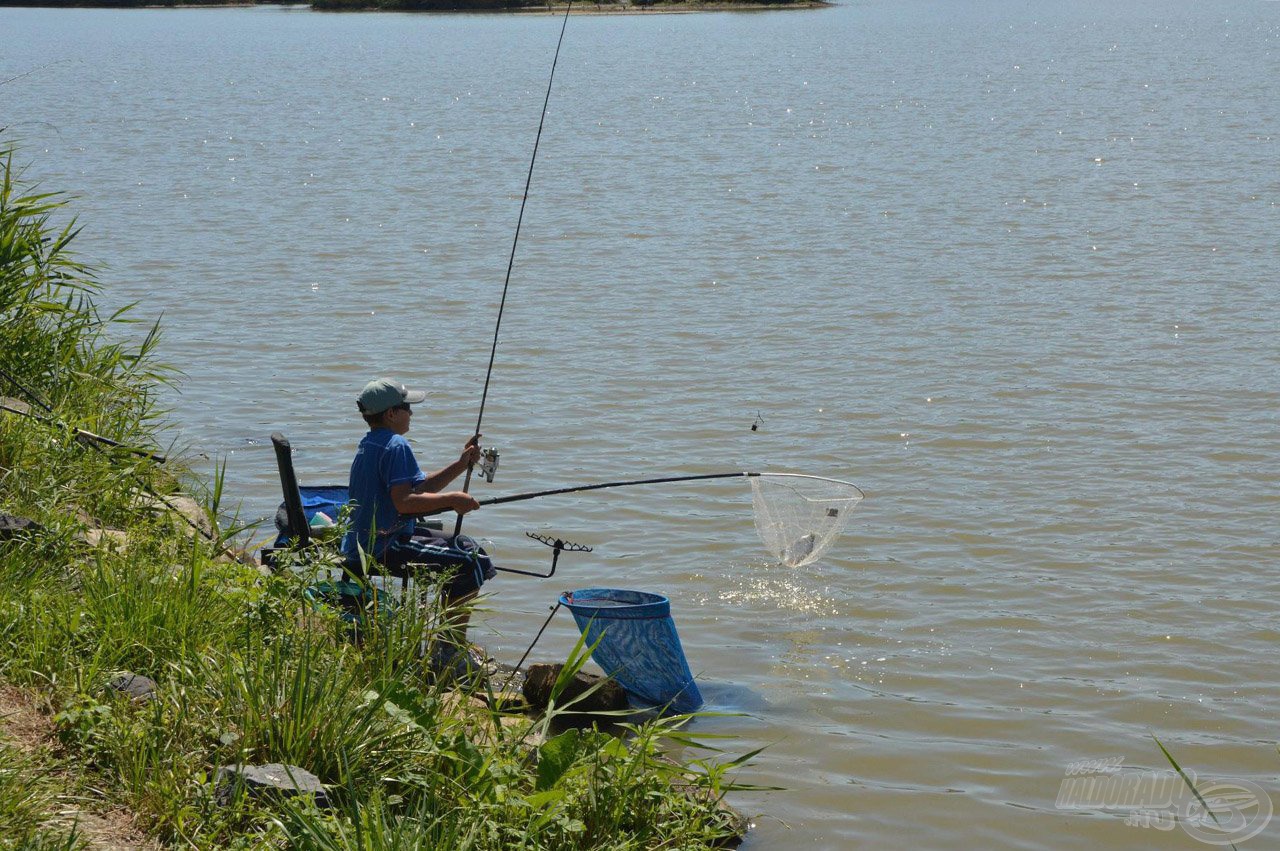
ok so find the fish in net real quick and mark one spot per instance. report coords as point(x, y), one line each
point(799, 517)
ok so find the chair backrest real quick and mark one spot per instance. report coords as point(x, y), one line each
point(289, 485)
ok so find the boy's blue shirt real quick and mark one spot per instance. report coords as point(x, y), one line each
point(383, 460)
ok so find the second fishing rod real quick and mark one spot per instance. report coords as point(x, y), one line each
point(506, 284)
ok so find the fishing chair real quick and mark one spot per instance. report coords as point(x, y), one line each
point(294, 517)
point(351, 600)
point(295, 525)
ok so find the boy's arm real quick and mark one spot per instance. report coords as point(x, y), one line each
point(407, 501)
point(440, 479)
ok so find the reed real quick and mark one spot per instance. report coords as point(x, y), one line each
point(249, 668)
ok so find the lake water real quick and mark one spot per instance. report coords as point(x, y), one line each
point(1008, 266)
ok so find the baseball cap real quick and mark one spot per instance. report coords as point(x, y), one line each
point(383, 394)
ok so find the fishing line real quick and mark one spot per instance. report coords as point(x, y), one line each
point(493, 351)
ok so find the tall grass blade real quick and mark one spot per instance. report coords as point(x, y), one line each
point(1186, 780)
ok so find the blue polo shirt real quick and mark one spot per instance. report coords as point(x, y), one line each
point(383, 460)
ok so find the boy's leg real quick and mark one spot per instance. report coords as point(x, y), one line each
point(457, 614)
point(428, 554)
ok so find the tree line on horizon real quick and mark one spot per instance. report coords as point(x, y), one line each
point(407, 5)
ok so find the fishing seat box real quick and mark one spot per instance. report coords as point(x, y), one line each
point(301, 505)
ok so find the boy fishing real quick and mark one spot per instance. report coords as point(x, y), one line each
point(389, 490)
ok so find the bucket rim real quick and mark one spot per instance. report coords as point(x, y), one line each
point(620, 600)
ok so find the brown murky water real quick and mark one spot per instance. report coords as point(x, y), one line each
point(1010, 267)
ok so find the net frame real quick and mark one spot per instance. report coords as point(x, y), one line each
point(798, 517)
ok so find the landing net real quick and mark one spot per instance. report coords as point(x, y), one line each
point(636, 643)
point(798, 517)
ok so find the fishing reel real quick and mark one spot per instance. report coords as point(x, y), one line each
point(558, 545)
point(488, 463)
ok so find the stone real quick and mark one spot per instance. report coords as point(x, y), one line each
point(135, 686)
point(608, 697)
point(188, 514)
point(460, 704)
point(110, 539)
point(16, 406)
point(506, 691)
point(12, 526)
point(469, 667)
point(263, 782)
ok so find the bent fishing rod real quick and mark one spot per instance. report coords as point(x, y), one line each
point(14, 406)
point(524, 199)
point(520, 497)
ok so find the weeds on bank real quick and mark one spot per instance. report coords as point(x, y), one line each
point(406, 762)
point(26, 798)
point(250, 669)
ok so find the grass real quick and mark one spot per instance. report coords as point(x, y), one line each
point(26, 797)
point(248, 669)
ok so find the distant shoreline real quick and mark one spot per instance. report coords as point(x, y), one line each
point(587, 7)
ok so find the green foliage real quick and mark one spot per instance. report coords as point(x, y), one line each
point(52, 337)
point(251, 668)
point(59, 355)
point(26, 796)
point(1189, 784)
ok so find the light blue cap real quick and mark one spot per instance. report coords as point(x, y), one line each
point(383, 394)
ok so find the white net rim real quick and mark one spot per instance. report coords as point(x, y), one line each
point(799, 516)
point(857, 491)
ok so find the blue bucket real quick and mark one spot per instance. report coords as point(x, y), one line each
point(637, 645)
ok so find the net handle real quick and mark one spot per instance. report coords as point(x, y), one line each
point(523, 496)
point(861, 495)
point(520, 497)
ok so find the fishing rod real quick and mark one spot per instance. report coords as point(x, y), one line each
point(97, 442)
point(14, 406)
point(493, 351)
point(520, 497)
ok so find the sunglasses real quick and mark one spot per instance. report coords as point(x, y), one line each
point(403, 406)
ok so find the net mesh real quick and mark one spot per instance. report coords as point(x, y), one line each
point(798, 517)
point(636, 643)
